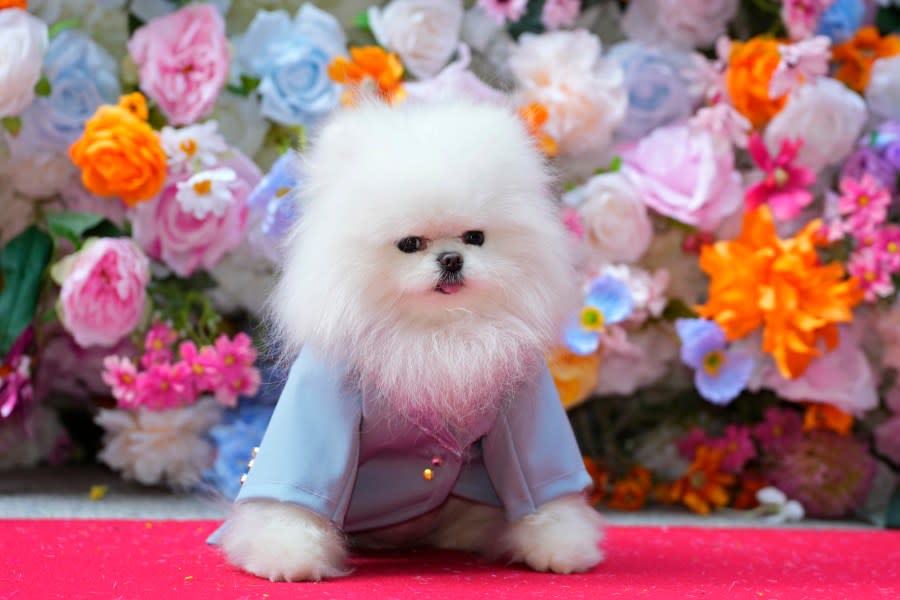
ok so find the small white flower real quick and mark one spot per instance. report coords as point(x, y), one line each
point(207, 192)
point(776, 508)
point(196, 146)
point(23, 42)
point(803, 61)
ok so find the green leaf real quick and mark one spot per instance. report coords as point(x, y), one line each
point(22, 264)
point(247, 86)
point(12, 124)
point(71, 225)
point(361, 20)
point(615, 165)
point(62, 26)
point(677, 309)
point(888, 20)
point(43, 87)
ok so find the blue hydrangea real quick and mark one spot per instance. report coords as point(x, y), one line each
point(608, 302)
point(842, 19)
point(720, 374)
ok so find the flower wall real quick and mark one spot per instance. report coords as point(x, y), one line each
point(728, 171)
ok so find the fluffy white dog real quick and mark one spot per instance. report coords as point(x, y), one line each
point(421, 288)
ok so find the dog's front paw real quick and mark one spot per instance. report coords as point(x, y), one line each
point(563, 536)
point(282, 542)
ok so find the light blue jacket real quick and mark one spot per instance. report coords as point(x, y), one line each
point(326, 451)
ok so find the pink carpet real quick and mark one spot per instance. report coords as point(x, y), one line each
point(44, 559)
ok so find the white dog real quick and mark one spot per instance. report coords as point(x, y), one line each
point(421, 288)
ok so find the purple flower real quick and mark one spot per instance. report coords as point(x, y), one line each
point(15, 375)
point(608, 302)
point(779, 429)
point(720, 374)
point(866, 160)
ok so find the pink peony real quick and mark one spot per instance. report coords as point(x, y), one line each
point(560, 13)
point(183, 59)
point(504, 10)
point(238, 376)
point(104, 291)
point(802, 16)
point(784, 187)
point(169, 232)
point(685, 174)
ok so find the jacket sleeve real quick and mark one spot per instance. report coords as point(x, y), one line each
point(531, 454)
point(309, 453)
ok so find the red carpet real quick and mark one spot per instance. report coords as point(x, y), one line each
point(168, 559)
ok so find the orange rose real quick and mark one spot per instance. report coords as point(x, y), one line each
point(370, 68)
point(119, 154)
point(21, 4)
point(857, 55)
point(750, 69)
point(575, 376)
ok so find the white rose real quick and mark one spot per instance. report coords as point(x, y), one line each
point(827, 115)
point(244, 281)
point(883, 93)
point(686, 23)
point(583, 93)
point(240, 122)
point(455, 80)
point(617, 228)
point(423, 32)
point(23, 42)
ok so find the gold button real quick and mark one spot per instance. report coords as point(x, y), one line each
point(428, 474)
point(250, 464)
point(243, 478)
point(254, 452)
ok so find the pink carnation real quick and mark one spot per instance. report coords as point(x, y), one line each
point(103, 291)
point(183, 59)
point(168, 231)
point(238, 376)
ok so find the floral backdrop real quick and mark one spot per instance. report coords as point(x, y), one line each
point(728, 172)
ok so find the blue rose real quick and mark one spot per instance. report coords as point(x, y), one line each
point(274, 206)
point(82, 76)
point(291, 58)
point(842, 19)
point(658, 93)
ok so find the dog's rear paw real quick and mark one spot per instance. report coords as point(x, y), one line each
point(283, 542)
point(563, 536)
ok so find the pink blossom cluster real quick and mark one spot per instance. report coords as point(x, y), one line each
point(225, 369)
point(736, 444)
point(863, 208)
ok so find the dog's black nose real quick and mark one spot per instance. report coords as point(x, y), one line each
point(451, 262)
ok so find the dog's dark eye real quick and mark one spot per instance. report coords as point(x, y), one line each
point(411, 244)
point(475, 238)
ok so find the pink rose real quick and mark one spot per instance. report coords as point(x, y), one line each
point(103, 291)
point(183, 60)
point(168, 230)
point(685, 174)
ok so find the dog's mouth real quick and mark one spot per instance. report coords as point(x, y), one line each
point(449, 285)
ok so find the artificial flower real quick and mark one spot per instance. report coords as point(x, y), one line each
point(826, 115)
point(239, 432)
point(120, 374)
point(599, 476)
point(240, 122)
point(864, 205)
point(751, 66)
point(745, 496)
point(196, 147)
point(607, 302)
point(575, 375)
point(828, 474)
point(866, 160)
point(648, 290)
point(583, 92)
point(183, 59)
point(659, 93)
point(785, 187)
point(705, 485)
point(33, 437)
point(160, 447)
point(685, 174)
point(423, 33)
point(759, 280)
point(16, 389)
point(779, 429)
point(163, 386)
point(184, 242)
point(801, 17)
point(504, 10)
point(801, 62)
point(825, 416)
point(158, 344)
point(20, 4)
point(720, 374)
point(883, 91)
point(776, 507)
point(82, 77)
point(842, 19)
point(40, 174)
point(104, 21)
point(23, 41)
point(534, 116)
point(243, 280)
point(723, 121)
point(887, 438)
point(119, 154)
point(656, 450)
point(685, 23)
point(237, 376)
point(207, 192)
point(867, 267)
point(627, 494)
point(560, 13)
point(291, 58)
point(274, 206)
point(617, 226)
point(856, 56)
point(205, 365)
point(455, 80)
point(370, 68)
point(103, 290)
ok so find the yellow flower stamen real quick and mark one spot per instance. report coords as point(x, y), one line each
point(592, 319)
point(713, 362)
point(203, 187)
point(282, 192)
point(188, 146)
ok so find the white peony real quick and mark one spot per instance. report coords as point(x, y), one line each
point(616, 225)
point(424, 33)
point(240, 122)
point(883, 93)
point(163, 447)
point(23, 42)
point(827, 115)
point(685, 23)
point(455, 81)
point(583, 92)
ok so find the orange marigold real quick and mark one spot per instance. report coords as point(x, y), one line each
point(750, 68)
point(119, 154)
point(20, 4)
point(370, 69)
point(535, 115)
point(826, 416)
point(761, 280)
point(856, 56)
point(575, 376)
point(704, 485)
point(599, 476)
point(745, 498)
point(631, 492)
